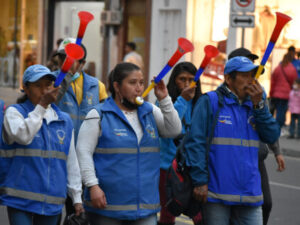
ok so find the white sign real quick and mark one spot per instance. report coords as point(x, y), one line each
point(243, 5)
point(241, 20)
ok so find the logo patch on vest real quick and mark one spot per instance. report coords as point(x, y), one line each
point(89, 98)
point(225, 119)
point(61, 136)
point(150, 130)
point(120, 132)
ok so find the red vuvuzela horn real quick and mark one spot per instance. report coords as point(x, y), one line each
point(184, 46)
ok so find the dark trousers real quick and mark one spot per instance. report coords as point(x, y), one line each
point(293, 124)
point(280, 106)
point(267, 206)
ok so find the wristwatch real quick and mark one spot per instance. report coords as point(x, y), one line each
point(260, 105)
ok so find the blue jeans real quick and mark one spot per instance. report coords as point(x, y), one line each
point(220, 214)
point(20, 217)
point(96, 219)
point(293, 124)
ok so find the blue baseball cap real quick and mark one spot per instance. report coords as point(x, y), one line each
point(35, 72)
point(240, 64)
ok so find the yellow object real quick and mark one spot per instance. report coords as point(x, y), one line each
point(77, 87)
point(149, 88)
point(140, 100)
point(258, 72)
point(193, 83)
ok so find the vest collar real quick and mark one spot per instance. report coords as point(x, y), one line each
point(87, 85)
point(110, 106)
point(231, 98)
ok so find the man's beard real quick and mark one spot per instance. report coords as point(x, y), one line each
point(129, 105)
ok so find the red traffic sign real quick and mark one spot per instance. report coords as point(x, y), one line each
point(243, 5)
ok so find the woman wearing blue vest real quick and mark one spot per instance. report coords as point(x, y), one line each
point(44, 165)
point(118, 151)
point(184, 99)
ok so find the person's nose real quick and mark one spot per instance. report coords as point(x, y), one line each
point(139, 87)
point(187, 83)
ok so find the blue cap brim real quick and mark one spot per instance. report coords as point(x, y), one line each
point(247, 68)
point(36, 78)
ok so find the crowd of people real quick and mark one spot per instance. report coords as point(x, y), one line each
point(106, 157)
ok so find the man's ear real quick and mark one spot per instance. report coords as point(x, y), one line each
point(228, 79)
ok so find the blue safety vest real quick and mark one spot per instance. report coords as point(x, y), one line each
point(127, 172)
point(234, 177)
point(90, 98)
point(37, 177)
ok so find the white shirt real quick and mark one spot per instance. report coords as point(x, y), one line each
point(22, 131)
point(167, 121)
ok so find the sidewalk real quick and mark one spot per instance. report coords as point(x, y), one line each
point(289, 147)
point(9, 95)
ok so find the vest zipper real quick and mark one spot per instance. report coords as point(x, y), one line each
point(138, 176)
point(241, 164)
point(49, 162)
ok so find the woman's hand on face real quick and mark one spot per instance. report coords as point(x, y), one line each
point(97, 197)
point(188, 93)
point(160, 90)
point(49, 96)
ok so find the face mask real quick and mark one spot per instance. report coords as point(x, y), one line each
point(295, 86)
point(129, 105)
point(75, 76)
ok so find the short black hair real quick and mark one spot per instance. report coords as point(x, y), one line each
point(243, 52)
point(85, 54)
point(292, 49)
point(233, 74)
point(132, 45)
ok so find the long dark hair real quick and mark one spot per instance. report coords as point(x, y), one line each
point(182, 67)
point(118, 74)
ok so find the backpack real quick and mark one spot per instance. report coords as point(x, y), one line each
point(179, 188)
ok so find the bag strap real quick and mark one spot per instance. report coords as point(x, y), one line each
point(285, 76)
point(180, 155)
point(216, 108)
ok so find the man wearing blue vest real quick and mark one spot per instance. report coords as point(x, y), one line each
point(225, 171)
point(81, 91)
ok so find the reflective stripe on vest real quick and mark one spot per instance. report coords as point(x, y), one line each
point(32, 196)
point(33, 153)
point(235, 142)
point(75, 117)
point(125, 150)
point(125, 207)
point(236, 198)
